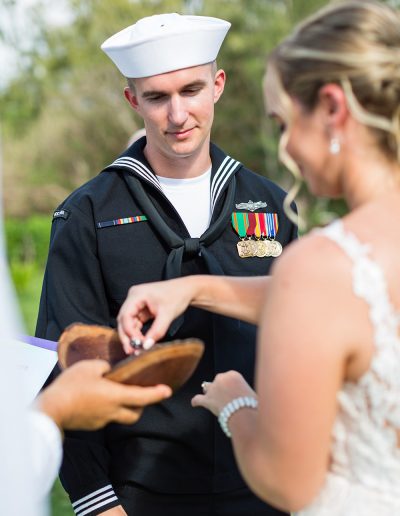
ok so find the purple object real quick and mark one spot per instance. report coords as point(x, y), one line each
point(40, 343)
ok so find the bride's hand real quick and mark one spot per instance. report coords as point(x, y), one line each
point(162, 301)
point(224, 388)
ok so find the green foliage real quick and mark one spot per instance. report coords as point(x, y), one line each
point(28, 280)
point(28, 240)
point(65, 117)
point(60, 504)
point(27, 246)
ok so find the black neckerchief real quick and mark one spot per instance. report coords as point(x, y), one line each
point(222, 186)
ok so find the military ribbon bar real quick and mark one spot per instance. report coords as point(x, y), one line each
point(119, 222)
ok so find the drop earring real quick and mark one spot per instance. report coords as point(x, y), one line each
point(334, 146)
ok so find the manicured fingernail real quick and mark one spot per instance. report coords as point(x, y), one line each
point(167, 392)
point(148, 343)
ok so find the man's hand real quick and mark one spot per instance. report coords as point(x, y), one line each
point(82, 399)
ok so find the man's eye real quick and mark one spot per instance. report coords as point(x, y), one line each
point(156, 98)
point(191, 92)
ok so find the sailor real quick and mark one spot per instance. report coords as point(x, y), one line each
point(172, 204)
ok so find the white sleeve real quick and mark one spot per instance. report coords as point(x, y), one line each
point(30, 443)
point(46, 451)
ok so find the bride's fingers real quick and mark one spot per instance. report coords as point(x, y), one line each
point(129, 329)
point(159, 327)
point(199, 401)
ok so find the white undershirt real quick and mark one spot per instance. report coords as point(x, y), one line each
point(191, 199)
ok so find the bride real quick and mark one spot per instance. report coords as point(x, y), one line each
point(320, 434)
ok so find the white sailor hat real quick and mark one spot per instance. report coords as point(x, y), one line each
point(164, 43)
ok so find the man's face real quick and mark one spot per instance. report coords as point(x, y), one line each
point(178, 109)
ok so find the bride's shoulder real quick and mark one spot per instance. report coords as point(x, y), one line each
point(312, 257)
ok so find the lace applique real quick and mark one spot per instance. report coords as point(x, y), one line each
point(365, 467)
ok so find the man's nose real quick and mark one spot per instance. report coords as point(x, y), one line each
point(177, 111)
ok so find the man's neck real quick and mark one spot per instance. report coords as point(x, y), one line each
point(179, 167)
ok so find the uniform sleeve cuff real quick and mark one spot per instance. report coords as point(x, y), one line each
point(96, 502)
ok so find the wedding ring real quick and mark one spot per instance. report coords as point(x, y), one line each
point(136, 343)
point(204, 386)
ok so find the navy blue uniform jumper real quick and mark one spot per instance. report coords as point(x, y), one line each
point(92, 263)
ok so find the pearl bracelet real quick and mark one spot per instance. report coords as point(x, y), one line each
point(231, 407)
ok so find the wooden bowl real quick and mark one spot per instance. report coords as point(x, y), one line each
point(171, 363)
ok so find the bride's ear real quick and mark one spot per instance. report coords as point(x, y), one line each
point(332, 102)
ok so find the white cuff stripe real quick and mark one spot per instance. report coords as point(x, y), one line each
point(95, 500)
point(91, 495)
point(102, 504)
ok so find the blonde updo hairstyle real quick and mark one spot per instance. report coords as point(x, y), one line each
point(355, 44)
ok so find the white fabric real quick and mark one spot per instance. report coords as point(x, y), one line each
point(29, 455)
point(46, 451)
point(165, 42)
point(191, 199)
point(15, 466)
point(364, 477)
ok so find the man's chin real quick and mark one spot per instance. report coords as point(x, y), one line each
point(184, 149)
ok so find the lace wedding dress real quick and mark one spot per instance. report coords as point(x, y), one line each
point(364, 476)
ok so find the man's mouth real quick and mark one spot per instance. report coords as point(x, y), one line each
point(181, 133)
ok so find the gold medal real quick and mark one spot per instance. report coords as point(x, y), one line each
point(268, 247)
point(245, 249)
point(276, 248)
point(240, 223)
point(262, 248)
point(253, 244)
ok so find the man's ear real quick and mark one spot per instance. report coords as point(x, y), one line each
point(332, 101)
point(219, 84)
point(131, 98)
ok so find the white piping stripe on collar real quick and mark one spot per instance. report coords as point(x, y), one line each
point(217, 174)
point(227, 168)
point(139, 168)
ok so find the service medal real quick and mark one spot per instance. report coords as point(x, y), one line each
point(257, 232)
point(245, 249)
point(262, 249)
point(276, 248)
point(240, 223)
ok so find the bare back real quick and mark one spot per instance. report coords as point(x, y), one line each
point(365, 455)
point(329, 364)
